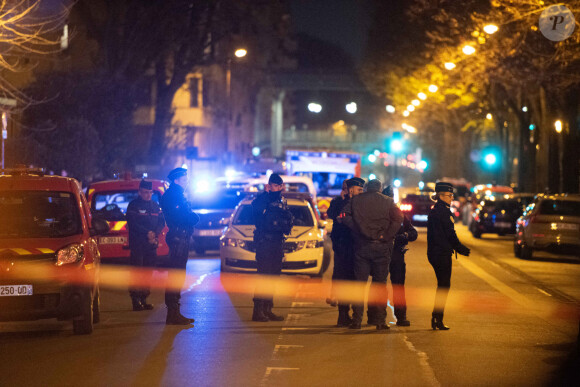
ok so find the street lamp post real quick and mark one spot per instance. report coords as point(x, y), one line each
point(4, 134)
point(239, 53)
point(558, 128)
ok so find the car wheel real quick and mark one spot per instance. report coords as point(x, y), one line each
point(83, 324)
point(97, 307)
point(517, 249)
point(527, 252)
point(199, 251)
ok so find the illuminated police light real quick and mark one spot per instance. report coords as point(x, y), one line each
point(421, 185)
point(202, 186)
point(372, 158)
point(372, 176)
point(231, 173)
point(396, 146)
point(256, 151)
point(397, 183)
point(351, 107)
point(422, 165)
point(490, 159)
point(314, 107)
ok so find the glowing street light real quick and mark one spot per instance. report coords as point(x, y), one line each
point(449, 65)
point(409, 128)
point(468, 50)
point(433, 88)
point(241, 52)
point(490, 159)
point(351, 107)
point(372, 158)
point(406, 113)
point(489, 116)
point(422, 96)
point(390, 109)
point(416, 102)
point(524, 109)
point(490, 29)
point(410, 108)
point(558, 126)
point(314, 107)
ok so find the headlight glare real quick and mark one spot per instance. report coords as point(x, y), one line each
point(69, 254)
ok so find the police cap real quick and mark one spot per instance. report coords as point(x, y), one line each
point(389, 191)
point(374, 185)
point(177, 173)
point(275, 179)
point(146, 184)
point(443, 187)
point(355, 182)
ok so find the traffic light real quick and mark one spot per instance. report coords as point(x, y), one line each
point(396, 144)
point(490, 159)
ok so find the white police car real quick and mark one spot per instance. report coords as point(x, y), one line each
point(303, 249)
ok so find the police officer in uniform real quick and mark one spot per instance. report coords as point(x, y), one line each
point(145, 222)
point(343, 245)
point(374, 219)
point(180, 220)
point(441, 242)
point(397, 268)
point(273, 222)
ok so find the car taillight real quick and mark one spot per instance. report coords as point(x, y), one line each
point(406, 207)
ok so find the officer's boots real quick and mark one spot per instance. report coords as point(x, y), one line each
point(137, 305)
point(401, 315)
point(145, 305)
point(268, 312)
point(258, 314)
point(174, 317)
point(344, 319)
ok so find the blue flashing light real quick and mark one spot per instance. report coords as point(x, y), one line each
point(490, 159)
point(396, 146)
point(397, 183)
point(421, 185)
point(532, 126)
point(372, 176)
point(256, 151)
point(372, 158)
point(202, 186)
point(423, 164)
point(377, 152)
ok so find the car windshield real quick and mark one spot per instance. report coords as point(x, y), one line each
point(288, 187)
point(560, 207)
point(226, 199)
point(302, 216)
point(38, 214)
point(112, 205)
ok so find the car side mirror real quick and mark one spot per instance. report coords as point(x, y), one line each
point(99, 227)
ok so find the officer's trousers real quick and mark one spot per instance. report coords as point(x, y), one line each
point(372, 259)
point(269, 255)
point(144, 259)
point(343, 266)
point(442, 266)
point(178, 254)
point(397, 270)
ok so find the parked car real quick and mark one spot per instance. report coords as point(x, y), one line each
point(551, 223)
point(49, 258)
point(417, 207)
point(496, 216)
point(108, 200)
point(304, 249)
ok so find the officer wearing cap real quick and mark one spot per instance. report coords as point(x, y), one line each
point(374, 220)
point(441, 242)
point(181, 221)
point(342, 245)
point(145, 222)
point(397, 268)
point(273, 221)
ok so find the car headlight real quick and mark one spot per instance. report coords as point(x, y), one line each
point(312, 244)
point(229, 242)
point(70, 254)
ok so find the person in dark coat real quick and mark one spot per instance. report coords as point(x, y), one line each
point(273, 222)
point(181, 220)
point(145, 222)
point(441, 242)
point(374, 220)
point(343, 245)
point(407, 233)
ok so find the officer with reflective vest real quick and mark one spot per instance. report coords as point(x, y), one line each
point(273, 222)
point(397, 268)
point(145, 222)
point(181, 220)
point(441, 242)
point(343, 247)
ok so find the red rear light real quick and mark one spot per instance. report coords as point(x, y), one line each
point(406, 207)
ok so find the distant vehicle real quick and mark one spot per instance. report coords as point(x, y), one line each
point(45, 224)
point(417, 207)
point(480, 193)
point(109, 200)
point(496, 216)
point(551, 223)
point(214, 209)
point(304, 249)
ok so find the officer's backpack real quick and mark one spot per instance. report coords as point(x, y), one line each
point(278, 218)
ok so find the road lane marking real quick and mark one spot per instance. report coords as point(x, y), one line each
point(544, 292)
point(294, 328)
point(428, 373)
point(296, 303)
point(270, 370)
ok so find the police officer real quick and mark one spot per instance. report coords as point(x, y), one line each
point(180, 220)
point(342, 245)
point(397, 268)
point(273, 222)
point(441, 241)
point(374, 219)
point(145, 222)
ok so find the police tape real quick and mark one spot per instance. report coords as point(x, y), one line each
point(308, 289)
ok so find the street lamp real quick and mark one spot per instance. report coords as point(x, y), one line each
point(239, 53)
point(416, 102)
point(405, 113)
point(433, 88)
point(449, 65)
point(490, 29)
point(422, 96)
point(390, 108)
point(558, 128)
point(468, 50)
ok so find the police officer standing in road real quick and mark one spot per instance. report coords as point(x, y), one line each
point(145, 222)
point(407, 233)
point(180, 220)
point(374, 219)
point(273, 221)
point(343, 245)
point(441, 241)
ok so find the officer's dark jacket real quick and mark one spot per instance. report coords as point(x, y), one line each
point(407, 228)
point(441, 236)
point(373, 216)
point(142, 217)
point(259, 206)
point(340, 232)
point(179, 216)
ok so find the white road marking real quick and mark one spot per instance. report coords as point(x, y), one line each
point(197, 283)
point(428, 373)
point(293, 329)
point(296, 303)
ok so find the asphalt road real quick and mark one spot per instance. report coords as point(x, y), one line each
point(513, 323)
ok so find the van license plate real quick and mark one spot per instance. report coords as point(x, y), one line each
point(112, 240)
point(15, 290)
point(503, 224)
point(217, 232)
